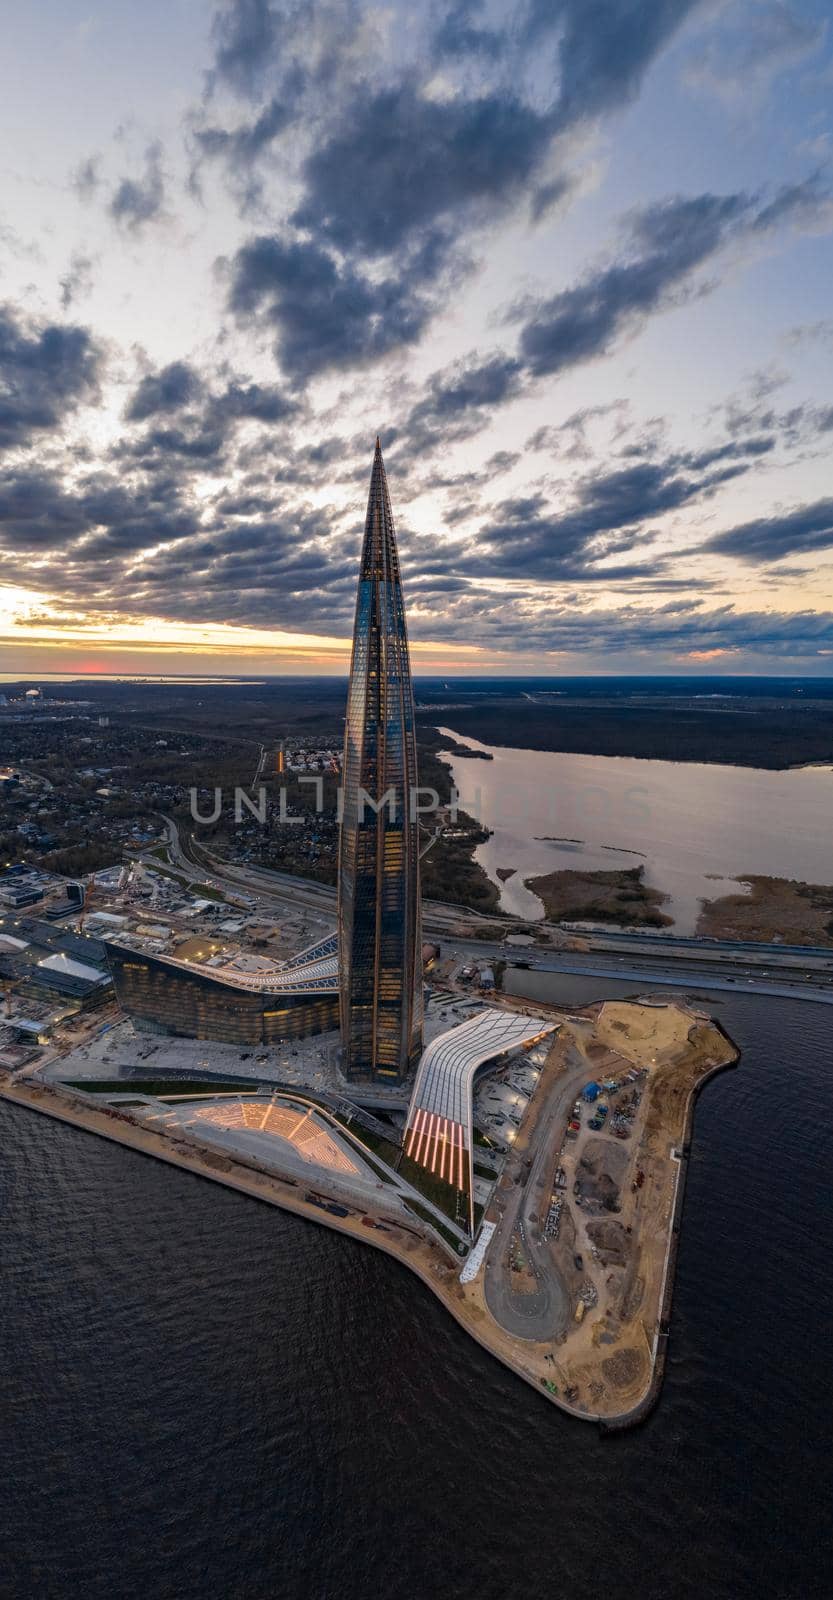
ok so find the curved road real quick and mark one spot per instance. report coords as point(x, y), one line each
point(728, 969)
point(543, 1314)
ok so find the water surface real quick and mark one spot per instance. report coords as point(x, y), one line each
point(695, 828)
point(204, 1397)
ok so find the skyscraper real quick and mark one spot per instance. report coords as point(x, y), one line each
point(380, 941)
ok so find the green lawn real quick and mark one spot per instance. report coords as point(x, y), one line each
point(435, 1189)
point(428, 1216)
point(202, 891)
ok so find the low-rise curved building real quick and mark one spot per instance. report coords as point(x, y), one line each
point(439, 1133)
point(261, 1002)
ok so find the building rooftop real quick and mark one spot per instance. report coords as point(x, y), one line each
point(439, 1133)
point(64, 964)
point(314, 969)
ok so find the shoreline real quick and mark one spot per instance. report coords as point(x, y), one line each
point(642, 1410)
point(799, 912)
point(492, 741)
point(279, 1191)
point(120, 1134)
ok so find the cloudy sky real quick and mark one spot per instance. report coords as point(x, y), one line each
point(572, 259)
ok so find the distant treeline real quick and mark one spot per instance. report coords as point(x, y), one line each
point(753, 733)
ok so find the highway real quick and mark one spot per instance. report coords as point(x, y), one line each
point(284, 888)
point(730, 974)
point(273, 889)
point(652, 961)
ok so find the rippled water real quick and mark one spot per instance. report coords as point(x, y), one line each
point(205, 1397)
point(690, 824)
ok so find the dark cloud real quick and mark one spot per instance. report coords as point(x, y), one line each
point(733, 449)
point(605, 47)
point(524, 537)
point(77, 281)
point(683, 630)
point(460, 485)
point(260, 402)
point(548, 196)
point(669, 241)
point(744, 417)
point(283, 569)
point(501, 461)
point(36, 512)
point(246, 33)
point(788, 533)
point(391, 159)
point(399, 162)
point(569, 438)
point(324, 314)
point(462, 387)
point(461, 33)
point(100, 514)
point(317, 463)
point(666, 245)
point(260, 561)
point(137, 201)
point(391, 164)
point(458, 401)
point(195, 441)
point(191, 421)
point(239, 148)
point(800, 204)
point(291, 63)
point(46, 372)
point(393, 170)
point(169, 390)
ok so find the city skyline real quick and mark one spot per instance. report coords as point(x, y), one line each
point(583, 254)
point(379, 938)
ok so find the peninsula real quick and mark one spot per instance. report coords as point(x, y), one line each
point(568, 1278)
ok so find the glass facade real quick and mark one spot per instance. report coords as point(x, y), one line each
point(380, 942)
point(196, 1006)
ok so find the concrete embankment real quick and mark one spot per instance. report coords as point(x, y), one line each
point(639, 1412)
point(414, 1247)
point(423, 1256)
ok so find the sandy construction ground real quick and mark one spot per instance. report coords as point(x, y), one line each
point(644, 1035)
point(608, 1356)
point(610, 1256)
point(599, 1362)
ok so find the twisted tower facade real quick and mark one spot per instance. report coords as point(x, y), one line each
point(380, 939)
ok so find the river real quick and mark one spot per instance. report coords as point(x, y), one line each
point(696, 828)
point(204, 1397)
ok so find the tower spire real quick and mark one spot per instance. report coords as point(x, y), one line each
point(380, 943)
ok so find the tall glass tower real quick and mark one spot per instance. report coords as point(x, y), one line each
point(380, 940)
